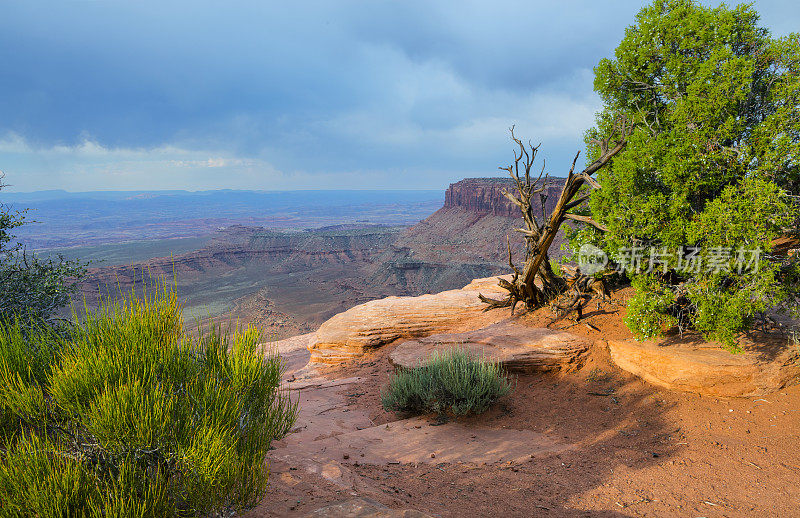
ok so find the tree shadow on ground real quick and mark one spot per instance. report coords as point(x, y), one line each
point(608, 421)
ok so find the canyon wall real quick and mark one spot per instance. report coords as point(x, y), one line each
point(481, 196)
point(464, 240)
point(238, 247)
point(286, 282)
point(290, 282)
point(484, 196)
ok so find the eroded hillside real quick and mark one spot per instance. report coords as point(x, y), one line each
point(290, 282)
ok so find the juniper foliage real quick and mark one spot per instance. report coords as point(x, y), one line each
point(715, 102)
point(31, 289)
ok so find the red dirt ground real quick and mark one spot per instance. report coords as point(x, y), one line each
point(642, 451)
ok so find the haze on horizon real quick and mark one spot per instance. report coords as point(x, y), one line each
point(111, 95)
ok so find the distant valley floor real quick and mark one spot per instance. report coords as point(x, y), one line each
point(289, 282)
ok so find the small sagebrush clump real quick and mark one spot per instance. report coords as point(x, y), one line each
point(455, 382)
point(128, 416)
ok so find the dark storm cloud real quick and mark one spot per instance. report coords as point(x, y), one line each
point(284, 95)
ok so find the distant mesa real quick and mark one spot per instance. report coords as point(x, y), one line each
point(463, 240)
point(269, 275)
point(485, 195)
point(481, 196)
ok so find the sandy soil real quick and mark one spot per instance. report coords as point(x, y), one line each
point(634, 450)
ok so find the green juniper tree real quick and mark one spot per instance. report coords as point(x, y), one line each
point(715, 103)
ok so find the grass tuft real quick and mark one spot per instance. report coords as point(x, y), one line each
point(454, 382)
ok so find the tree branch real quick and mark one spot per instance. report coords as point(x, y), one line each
point(586, 219)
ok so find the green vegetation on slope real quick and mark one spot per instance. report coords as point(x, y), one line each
point(31, 289)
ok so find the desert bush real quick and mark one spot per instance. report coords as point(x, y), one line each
point(454, 382)
point(649, 308)
point(127, 415)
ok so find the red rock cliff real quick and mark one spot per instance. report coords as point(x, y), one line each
point(485, 196)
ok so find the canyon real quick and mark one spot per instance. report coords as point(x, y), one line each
point(599, 423)
point(289, 282)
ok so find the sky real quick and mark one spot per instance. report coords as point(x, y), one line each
point(266, 95)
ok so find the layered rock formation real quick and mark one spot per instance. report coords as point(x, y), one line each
point(421, 326)
point(441, 321)
point(481, 196)
point(707, 369)
point(485, 196)
point(463, 240)
point(516, 347)
point(238, 246)
point(378, 322)
point(290, 282)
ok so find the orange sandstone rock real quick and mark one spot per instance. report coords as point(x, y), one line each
point(378, 322)
point(707, 369)
point(515, 346)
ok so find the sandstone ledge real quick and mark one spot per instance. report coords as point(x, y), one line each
point(378, 322)
point(703, 368)
point(516, 347)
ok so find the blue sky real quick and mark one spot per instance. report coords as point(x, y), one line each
point(113, 95)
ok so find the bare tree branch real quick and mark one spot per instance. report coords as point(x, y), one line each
point(537, 284)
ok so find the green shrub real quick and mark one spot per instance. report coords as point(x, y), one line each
point(31, 290)
point(129, 416)
point(453, 382)
point(649, 309)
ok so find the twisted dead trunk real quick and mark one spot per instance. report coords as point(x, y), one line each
point(539, 236)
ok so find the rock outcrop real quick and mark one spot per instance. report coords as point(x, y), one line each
point(485, 196)
point(463, 240)
point(481, 196)
point(706, 369)
point(514, 346)
point(378, 322)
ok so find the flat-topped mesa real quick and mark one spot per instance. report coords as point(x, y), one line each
point(481, 195)
point(485, 196)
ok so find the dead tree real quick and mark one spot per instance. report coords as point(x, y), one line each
point(537, 284)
